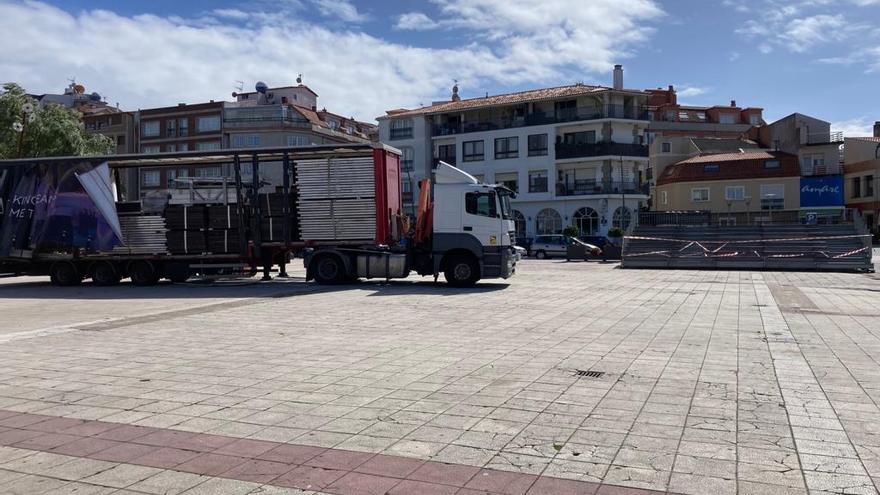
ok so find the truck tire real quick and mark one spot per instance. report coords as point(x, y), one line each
point(461, 271)
point(177, 273)
point(65, 274)
point(104, 274)
point(143, 273)
point(329, 270)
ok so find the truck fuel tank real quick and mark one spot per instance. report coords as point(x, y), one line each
point(383, 265)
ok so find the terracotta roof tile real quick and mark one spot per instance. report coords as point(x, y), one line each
point(731, 166)
point(503, 99)
point(867, 138)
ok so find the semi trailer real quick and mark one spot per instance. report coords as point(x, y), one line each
point(340, 206)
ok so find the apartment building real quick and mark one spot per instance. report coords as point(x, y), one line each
point(674, 125)
point(861, 169)
point(576, 155)
point(755, 182)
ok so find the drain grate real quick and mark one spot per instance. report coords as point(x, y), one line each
point(589, 373)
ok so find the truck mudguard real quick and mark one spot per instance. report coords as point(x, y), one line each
point(444, 242)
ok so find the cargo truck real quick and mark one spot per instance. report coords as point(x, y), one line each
point(339, 206)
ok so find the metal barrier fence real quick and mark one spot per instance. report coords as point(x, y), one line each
point(763, 217)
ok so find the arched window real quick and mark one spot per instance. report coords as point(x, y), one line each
point(586, 220)
point(622, 218)
point(519, 221)
point(548, 221)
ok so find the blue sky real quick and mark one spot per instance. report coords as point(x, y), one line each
point(820, 57)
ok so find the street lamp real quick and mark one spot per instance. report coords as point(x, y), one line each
point(27, 117)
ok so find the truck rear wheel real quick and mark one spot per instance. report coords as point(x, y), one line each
point(178, 273)
point(461, 271)
point(65, 274)
point(105, 274)
point(143, 273)
point(329, 270)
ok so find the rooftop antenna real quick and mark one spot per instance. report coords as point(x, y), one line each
point(299, 79)
point(239, 86)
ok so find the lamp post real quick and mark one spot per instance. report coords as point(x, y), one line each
point(27, 117)
point(748, 200)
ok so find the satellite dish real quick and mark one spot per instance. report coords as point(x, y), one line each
point(79, 89)
point(261, 87)
point(299, 79)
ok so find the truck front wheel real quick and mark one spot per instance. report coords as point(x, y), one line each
point(329, 270)
point(461, 271)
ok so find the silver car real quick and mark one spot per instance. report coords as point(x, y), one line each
point(547, 246)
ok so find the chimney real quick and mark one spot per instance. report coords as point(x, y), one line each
point(618, 76)
point(673, 97)
point(877, 129)
point(733, 103)
point(455, 96)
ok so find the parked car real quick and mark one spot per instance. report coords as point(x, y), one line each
point(520, 252)
point(546, 246)
point(596, 240)
point(525, 243)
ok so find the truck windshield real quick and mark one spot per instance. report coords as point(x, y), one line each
point(506, 212)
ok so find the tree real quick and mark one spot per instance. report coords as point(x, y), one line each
point(571, 231)
point(50, 130)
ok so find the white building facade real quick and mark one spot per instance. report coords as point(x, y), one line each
point(576, 155)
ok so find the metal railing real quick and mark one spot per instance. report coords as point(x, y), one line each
point(825, 138)
point(563, 115)
point(601, 148)
point(592, 187)
point(758, 217)
point(404, 133)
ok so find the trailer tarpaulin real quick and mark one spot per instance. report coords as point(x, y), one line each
point(44, 208)
point(99, 186)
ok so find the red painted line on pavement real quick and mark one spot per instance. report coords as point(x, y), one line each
point(328, 470)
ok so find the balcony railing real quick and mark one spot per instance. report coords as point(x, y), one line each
point(825, 138)
point(402, 133)
point(592, 187)
point(537, 184)
point(245, 117)
point(564, 150)
point(564, 115)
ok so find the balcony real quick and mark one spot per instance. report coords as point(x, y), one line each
point(262, 116)
point(564, 150)
point(825, 138)
point(592, 188)
point(561, 116)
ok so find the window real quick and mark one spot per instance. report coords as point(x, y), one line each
point(537, 145)
point(509, 180)
point(183, 127)
point(150, 178)
point(754, 119)
point(446, 153)
point(401, 129)
point(150, 128)
point(586, 220)
point(171, 128)
point(506, 147)
point(857, 187)
point(772, 197)
point(297, 140)
point(699, 194)
point(711, 167)
point(701, 116)
point(734, 193)
point(208, 146)
point(583, 137)
point(209, 172)
point(727, 118)
point(120, 140)
point(208, 124)
point(482, 204)
point(683, 116)
point(182, 146)
point(772, 164)
point(538, 181)
point(519, 223)
point(406, 188)
point(246, 141)
point(548, 221)
point(664, 197)
point(170, 175)
point(670, 115)
point(472, 151)
point(148, 149)
point(813, 164)
point(622, 218)
point(666, 147)
point(407, 162)
point(869, 186)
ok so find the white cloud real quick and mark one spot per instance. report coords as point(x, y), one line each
point(734, 56)
point(341, 9)
point(151, 60)
point(858, 127)
point(691, 91)
point(416, 21)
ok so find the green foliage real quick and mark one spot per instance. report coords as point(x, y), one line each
point(615, 232)
point(52, 131)
point(571, 231)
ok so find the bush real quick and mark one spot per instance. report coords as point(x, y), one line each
point(571, 231)
point(615, 232)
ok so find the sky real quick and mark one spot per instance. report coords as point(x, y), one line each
point(818, 57)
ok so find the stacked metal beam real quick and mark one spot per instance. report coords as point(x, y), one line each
point(336, 200)
point(142, 234)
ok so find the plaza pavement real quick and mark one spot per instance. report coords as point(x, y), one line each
point(568, 378)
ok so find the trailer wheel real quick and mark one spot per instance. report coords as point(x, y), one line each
point(105, 274)
point(461, 271)
point(65, 274)
point(143, 273)
point(329, 270)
